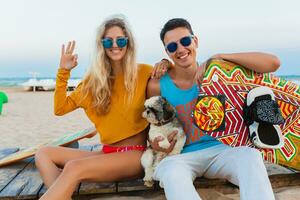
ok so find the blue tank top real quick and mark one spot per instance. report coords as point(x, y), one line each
point(184, 102)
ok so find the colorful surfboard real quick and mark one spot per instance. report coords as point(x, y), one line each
point(61, 141)
point(223, 91)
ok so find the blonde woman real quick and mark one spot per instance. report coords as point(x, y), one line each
point(112, 94)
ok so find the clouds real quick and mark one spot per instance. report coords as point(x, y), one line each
point(32, 30)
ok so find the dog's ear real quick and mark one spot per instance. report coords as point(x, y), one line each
point(168, 110)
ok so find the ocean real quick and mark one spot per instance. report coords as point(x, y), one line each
point(11, 82)
point(293, 78)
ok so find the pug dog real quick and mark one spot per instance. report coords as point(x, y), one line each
point(161, 116)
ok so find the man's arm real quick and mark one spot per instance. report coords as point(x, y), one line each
point(153, 88)
point(259, 62)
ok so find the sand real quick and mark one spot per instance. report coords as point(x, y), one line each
point(28, 119)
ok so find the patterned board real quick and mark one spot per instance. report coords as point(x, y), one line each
point(61, 141)
point(233, 83)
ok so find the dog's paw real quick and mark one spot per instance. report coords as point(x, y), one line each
point(148, 183)
point(164, 144)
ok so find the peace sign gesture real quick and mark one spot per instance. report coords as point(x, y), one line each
point(68, 60)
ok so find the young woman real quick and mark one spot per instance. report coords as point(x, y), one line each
point(112, 94)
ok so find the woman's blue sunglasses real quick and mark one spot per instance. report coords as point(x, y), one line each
point(108, 42)
point(185, 41)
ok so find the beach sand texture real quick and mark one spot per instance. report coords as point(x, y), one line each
point(28, 119)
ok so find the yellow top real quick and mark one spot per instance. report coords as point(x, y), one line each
point(123, 119)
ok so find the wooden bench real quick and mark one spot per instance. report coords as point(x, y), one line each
point(22, 181)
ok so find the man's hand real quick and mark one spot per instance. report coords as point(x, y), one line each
point(68, 60)
point(200, 73)
point(171, 139)
point(201, 68)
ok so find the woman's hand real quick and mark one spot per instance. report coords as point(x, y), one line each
point(160, 68)
point(68, 60)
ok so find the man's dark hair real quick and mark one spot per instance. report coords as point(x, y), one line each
point(175, 23)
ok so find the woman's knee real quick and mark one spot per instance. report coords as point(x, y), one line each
point(73, 169)
point(41, 154)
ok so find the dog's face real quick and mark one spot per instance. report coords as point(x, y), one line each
point(158, 110)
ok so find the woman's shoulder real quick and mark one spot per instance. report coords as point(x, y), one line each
point(144, 69)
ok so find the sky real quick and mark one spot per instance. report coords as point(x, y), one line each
point(32, 31)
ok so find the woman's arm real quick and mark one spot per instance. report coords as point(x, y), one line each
point(63, 103)
point(259, 62)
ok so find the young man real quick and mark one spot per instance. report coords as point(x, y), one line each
point(242, 166)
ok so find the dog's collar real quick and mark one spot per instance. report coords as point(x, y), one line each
point(165, 122)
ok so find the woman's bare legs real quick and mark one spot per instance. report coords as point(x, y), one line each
point(50, 160)
point(101, 167)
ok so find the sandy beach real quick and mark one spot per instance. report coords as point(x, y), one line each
point(28, 119)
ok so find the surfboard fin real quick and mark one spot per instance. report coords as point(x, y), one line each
point(263, 116)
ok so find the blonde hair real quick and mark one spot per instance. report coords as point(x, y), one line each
point(99, 80)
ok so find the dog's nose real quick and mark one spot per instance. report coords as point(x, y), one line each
point(148, 112)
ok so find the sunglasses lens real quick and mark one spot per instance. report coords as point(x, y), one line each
point(186, 41)
point(122, 42)
point(172, 47)
point(107, 43)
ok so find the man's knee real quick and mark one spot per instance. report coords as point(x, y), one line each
point(248, 154)
point(250, 159)
point(254, 156)
point(173, 174)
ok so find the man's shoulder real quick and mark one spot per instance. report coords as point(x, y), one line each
point(153, 82)
point(153, 87)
